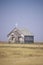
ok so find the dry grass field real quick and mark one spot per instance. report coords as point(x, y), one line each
point(21, 54)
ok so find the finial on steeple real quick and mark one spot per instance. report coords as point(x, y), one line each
point(16, 25)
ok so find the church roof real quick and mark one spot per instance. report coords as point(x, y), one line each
point(26, 32)
point(21, 31)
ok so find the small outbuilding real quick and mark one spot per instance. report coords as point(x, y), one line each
point(20, 36)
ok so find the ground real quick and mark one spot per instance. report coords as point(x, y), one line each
point(21, 54)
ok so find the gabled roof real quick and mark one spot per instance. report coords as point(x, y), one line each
point(21, 31)
point(15, 30)
point(26, 32)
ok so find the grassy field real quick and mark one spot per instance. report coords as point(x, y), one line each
point(21, 54)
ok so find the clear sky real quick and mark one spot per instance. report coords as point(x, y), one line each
point(26, 13)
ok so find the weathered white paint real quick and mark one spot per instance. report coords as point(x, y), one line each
point(22, 35)
point(21, 40)
point(14, 39)
point(12, 33)
point(9, 37)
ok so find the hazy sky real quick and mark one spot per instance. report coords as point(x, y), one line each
point(26, 13)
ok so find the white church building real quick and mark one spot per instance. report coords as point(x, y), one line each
point(20, 36)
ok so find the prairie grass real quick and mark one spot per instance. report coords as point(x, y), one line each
point(21, 54)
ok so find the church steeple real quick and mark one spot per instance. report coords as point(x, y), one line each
point(16, 25)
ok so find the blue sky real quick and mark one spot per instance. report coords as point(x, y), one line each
point(26, 13)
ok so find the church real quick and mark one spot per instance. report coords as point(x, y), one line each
point(18, 35)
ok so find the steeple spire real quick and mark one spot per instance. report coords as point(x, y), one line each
point(16, 25)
